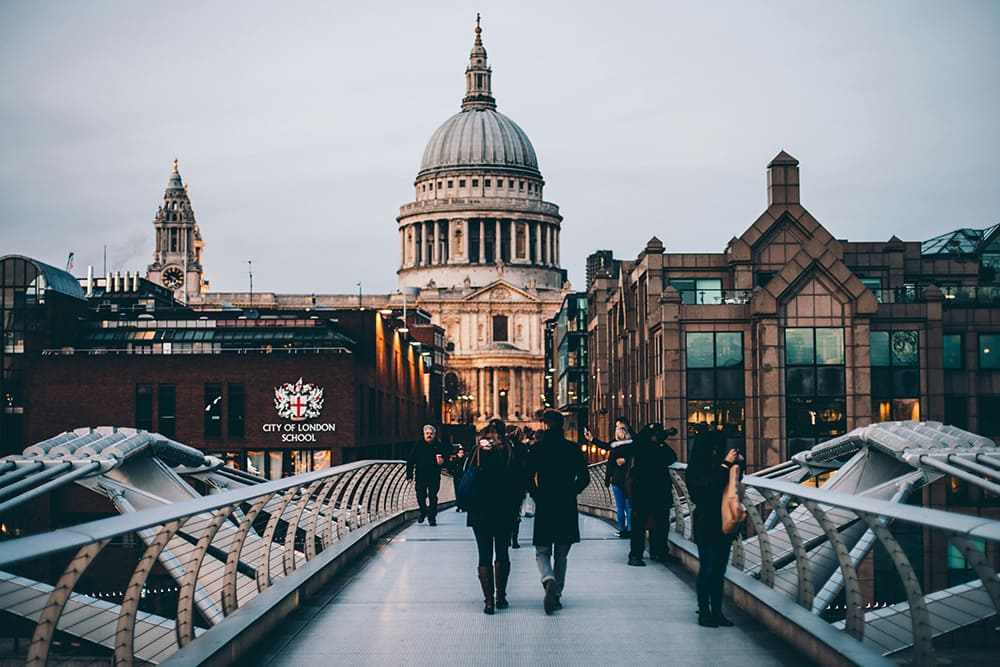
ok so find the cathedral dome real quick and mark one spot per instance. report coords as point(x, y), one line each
point(479, 137)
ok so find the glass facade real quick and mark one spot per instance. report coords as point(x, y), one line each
point(714, 383)
point(698, 290)
point(989, 351)
point(815, 386)
point(953, 351)
point(895, 358)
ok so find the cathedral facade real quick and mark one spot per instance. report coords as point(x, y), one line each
point(478, 253)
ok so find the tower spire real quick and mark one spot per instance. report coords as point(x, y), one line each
point(478, 87)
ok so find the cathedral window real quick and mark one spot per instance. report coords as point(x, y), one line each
point(510, 183)
point(499, 182)
point(475, 182)
point(486, 183)
point(461, 182)
point(439, 185)
point(520, 185)
point(451, 184)
point(499, 328)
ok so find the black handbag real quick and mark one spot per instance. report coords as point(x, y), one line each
point(471, 494)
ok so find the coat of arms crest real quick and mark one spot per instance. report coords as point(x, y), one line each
point(298, 401)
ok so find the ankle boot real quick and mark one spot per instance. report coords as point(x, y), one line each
point(486, 582)
point(705, 617)
point(502, 572)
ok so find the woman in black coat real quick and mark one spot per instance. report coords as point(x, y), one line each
point(707, 477)
point(650, 492)
point(501, 488)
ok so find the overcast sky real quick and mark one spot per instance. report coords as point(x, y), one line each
point(300, 126)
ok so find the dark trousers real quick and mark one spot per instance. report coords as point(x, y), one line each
point(427, 497)
point(712, 560)
point(641, 514)
point(490, 541)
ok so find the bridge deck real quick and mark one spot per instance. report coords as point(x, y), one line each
point(417, 602)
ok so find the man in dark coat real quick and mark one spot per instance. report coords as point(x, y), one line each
point(557, 473)
point(426, 460)
point(650, 492)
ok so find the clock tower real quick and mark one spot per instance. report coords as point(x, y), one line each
point(177, 258)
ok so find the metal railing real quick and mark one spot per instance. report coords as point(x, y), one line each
point(231, 546)
point(810, 547)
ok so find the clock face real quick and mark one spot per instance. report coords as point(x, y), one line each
point(173, 277)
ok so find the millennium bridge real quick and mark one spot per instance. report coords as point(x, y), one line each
point(838, 564)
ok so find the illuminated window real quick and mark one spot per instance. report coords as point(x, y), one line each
point(895, 375)
point(714, 383)
point(989, 351)
point(815, 386)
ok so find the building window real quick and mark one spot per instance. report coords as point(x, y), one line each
point(499, 182)
point(499, 328)
point(166, 417)
point(697, 291)
point(815, 386)
point(895, 359)
point(510, 183)
point(475, 182)
point(764, 277)
point(875, 285)
point(144, 407)
point(213, 410)
point(714, 383)
point(236, 410)
point(953, 351)
point(956, 411)
point(989, 416)
point(461, 182)
point(486, 183)
point(989, 351)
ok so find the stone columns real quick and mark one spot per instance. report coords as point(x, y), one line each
point(513, 240)
point(414, 244)
point(495, 408)
point(538, 243)
point(497, 243)
point(436, 242)
point(482, 241)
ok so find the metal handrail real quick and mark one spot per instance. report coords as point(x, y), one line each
point(805, 550)
point(222, 550)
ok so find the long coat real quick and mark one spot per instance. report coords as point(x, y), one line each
point(706, 485)
point(648, 475)
point(503, 485)
point(557, 473)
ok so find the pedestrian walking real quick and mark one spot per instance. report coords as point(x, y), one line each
point(493, 481)
point(424, 465)
point(557, 473)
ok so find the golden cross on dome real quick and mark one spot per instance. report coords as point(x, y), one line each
point(175, 165)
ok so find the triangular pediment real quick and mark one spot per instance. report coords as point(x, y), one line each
point(812, 260)
point(500, 290)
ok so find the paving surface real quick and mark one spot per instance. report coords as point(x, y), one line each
point(416, 601)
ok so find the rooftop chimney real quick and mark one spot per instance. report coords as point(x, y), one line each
point(783, 180)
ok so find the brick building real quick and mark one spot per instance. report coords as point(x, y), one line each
point(275, 393)
point(790, 336)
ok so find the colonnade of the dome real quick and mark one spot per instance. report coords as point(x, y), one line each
point(475, 240)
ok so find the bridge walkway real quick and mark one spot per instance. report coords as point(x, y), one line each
point(416, 601)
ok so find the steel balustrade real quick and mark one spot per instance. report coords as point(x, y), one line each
point(233, 545)
point(796, 538)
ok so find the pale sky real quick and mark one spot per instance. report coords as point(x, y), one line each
point(300, 126)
